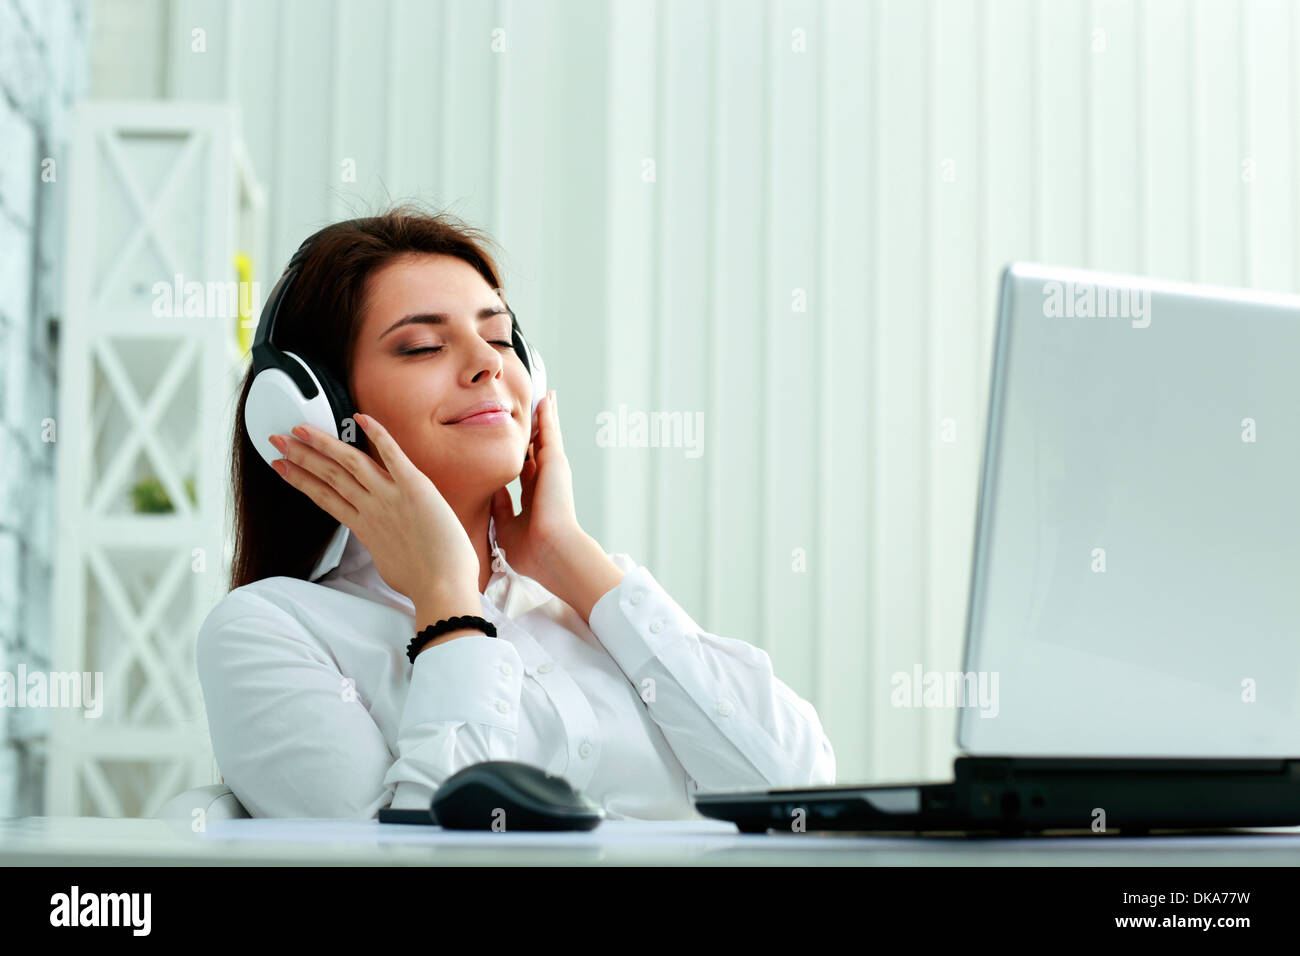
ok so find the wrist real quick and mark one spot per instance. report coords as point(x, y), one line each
point(585, 574)
point(438, 604)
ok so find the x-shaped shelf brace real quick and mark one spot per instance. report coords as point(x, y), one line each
point(174, 636)
point(135, 631)
point(106, 798)
point(144, 420)
point(149, 211)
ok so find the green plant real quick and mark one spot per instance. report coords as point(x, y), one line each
point(149, 497)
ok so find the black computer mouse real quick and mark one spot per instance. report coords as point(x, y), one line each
point(508, 795)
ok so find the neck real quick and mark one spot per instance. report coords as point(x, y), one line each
point(474, 514)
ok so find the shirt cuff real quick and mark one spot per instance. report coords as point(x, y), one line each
point(475, 678)
point(636, 619)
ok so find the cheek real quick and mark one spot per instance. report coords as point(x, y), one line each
point(399, 397)
point(524, 388)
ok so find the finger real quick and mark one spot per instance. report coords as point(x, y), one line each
point(302, 450)
point(325, 497)
point(359, 466)
point(394, 458)
point(550, 431)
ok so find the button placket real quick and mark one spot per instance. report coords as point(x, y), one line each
point(571, 704)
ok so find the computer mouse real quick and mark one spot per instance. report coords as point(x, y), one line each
point(518, 795)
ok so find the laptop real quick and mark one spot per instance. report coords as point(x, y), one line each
point(1135, 582)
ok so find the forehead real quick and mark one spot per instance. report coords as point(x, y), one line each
point(425, 283)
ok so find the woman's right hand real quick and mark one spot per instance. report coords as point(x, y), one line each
point(419, 546)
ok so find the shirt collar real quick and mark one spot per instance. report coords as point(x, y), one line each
point(333, 553)
point(513, 593)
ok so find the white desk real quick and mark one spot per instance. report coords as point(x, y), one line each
point(82, 841)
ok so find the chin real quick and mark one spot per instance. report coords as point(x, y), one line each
point(505, 462)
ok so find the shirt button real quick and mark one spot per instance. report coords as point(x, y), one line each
point(506, 668)
point(724, 708)
point(502, 706)
point(656, 627)
point(544, 668)
point(637, 596)
point(585, 749)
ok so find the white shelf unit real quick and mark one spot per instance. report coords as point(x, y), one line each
point(157, 190)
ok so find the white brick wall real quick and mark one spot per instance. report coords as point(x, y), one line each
point(43, 68)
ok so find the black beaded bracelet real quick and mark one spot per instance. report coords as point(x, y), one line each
point(450, 624)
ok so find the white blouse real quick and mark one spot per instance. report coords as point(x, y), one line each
point(315, 711)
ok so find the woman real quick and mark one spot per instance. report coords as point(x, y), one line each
point(595, 673)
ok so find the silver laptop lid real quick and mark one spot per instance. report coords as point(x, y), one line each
point(1136, 578)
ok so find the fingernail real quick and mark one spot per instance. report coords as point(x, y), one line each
point(279, 467)
point(301, 432)
point(277, 443)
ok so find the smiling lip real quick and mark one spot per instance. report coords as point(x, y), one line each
point(484, 413)
point(484, 418)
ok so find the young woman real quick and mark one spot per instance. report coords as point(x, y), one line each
point(595, 673)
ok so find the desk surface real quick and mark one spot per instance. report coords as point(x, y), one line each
point(82, 841)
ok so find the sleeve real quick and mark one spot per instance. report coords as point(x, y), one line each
point(294, 739)
point(730, 720)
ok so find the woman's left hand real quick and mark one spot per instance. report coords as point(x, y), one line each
point(537, 539)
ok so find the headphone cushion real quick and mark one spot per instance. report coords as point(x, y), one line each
point(336, 392)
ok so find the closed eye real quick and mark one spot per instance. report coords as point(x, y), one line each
point(438, 348)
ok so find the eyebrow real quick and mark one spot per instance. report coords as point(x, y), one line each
point(440, 318)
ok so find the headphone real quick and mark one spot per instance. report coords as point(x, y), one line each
point(289, 390)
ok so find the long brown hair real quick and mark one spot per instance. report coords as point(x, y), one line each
point(278, 530)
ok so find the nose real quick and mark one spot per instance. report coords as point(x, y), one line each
point(484, 357)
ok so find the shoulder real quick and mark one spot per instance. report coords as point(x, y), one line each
point(277, 607)
point(269, 597)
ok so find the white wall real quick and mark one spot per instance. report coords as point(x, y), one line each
point(812, 266)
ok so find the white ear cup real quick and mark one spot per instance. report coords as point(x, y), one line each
point(275, 407)
point(539, 382)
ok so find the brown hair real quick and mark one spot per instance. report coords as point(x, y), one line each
point(278, 530)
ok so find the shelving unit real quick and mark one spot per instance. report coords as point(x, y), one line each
point(146, 387)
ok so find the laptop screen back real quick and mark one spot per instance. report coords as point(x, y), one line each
point(1136, 577)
